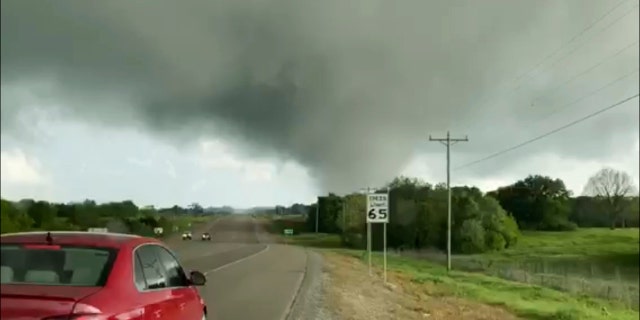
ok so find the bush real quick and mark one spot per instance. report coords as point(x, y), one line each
point(510, 231)
point(501, 229)
point(560, 225)
point(494, 241)
point(471, 237)
point(352, 238)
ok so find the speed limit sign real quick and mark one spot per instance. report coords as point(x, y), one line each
point(378, 208)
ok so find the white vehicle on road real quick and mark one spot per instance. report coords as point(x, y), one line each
point(206, 236)
point(186, 235)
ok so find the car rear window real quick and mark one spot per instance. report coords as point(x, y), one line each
point(56, 265)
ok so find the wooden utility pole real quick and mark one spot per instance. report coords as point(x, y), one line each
point(448, 141)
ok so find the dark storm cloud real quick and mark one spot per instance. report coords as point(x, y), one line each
point(348, 89)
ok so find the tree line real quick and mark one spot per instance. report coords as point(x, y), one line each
point(123, 216)
point(481, 222)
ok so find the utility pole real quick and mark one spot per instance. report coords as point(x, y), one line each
point(344, 214)
point(317, 213)
point(448, 142)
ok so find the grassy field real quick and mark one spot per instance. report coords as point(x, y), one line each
point(584, 274)
point(183, 223)
point(600, 263)
point(525, 300)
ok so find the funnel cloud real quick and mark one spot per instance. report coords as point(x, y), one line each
point(349, 89)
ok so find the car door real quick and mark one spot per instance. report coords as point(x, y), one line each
point(151, 281)
point(184, 296)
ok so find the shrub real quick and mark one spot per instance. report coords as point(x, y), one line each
point(471, 237)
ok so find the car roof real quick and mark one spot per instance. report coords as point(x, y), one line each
point(84, 238)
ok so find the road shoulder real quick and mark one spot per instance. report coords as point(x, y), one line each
point(309, 302)
point(352, 294)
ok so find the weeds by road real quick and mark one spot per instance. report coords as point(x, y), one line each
point(352, 294)
point(600, 263)
point(482, 296)
point(595, 262)
point(542, 288)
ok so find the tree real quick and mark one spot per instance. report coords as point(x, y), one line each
point(329, 211)
point(196, 208)
point(42, 213)
point(13, 219)
point(615, 188)
point(537, 202)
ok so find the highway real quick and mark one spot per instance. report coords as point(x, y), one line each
point(248, 275)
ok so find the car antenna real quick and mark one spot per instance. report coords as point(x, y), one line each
point(49, 238)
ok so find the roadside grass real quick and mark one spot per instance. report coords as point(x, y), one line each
point(589, 262)
point(617, 246)
point(320, 240)
point(277, 224)
point(601, 263)
point(525, 300)
point(186, 222)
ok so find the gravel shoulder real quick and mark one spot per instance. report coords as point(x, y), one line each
point(352, 294)
point(310, 302)
point(338, 286)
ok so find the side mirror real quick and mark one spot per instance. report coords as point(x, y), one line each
point(197, 278)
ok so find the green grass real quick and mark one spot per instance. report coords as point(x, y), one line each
point(319, 240)
point(613, 245)
point(279, 224)
point(525, 300)
point(595, 262)
point(189, 222)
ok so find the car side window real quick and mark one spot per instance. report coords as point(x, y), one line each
point(138, 275)
point(175, 274)
point(154, 274)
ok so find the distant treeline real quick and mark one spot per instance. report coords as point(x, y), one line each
point(124, 216)
point(481, 221)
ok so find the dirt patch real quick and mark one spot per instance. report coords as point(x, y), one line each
point(353, 295)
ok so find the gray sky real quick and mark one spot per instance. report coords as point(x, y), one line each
point(262, 102)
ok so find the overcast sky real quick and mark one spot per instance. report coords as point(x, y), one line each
point(249, 103)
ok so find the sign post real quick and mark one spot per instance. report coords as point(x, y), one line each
point(287, 233)
point(378, 212)
point(369, 245)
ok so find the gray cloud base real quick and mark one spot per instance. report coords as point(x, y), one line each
point(349, 89)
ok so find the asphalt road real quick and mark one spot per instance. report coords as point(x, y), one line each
point(248, 277)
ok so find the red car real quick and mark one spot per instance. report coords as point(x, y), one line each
point(94, 276)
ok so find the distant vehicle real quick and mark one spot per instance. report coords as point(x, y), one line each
point(186, 235)
point(88, 275)
point(206, 236)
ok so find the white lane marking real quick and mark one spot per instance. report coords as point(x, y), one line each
point(237, 261)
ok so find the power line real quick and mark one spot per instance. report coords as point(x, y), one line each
point(570, 124)
point(564, 45)
point(607, 85)
point(618, 19)
point(559, 108)
point(574, 38)
point(591, 68)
